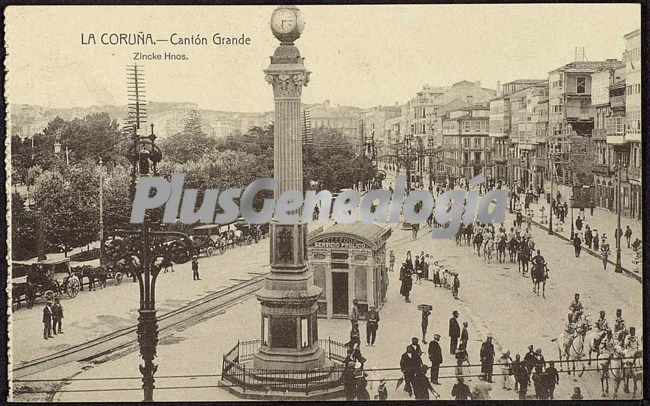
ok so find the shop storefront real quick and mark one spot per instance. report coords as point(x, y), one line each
point(349, 262)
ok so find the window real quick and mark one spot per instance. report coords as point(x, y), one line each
point(581, 86)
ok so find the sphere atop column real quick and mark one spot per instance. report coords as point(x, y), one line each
point(287, 24)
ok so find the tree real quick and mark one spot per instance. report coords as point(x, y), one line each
point(66, 201)
point(188, 144)
point(23, 230)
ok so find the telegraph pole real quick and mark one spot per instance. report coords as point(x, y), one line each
point(101, 209)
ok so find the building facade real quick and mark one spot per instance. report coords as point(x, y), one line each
point(467, 146)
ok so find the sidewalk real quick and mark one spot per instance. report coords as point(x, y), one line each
point(605, 222)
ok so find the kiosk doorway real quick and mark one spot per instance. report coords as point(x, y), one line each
point(340, 293)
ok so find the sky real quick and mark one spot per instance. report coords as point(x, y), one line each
point(364, 55)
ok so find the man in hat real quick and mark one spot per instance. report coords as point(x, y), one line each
point(487, 358)
point(603, 327)
point(435, 356)
point(47, 320)
point(464, 335)
point(540, 358)
point(425, 322)
point(552, 379)
point(631, 341)
point(372, 324)
point(454, 332)
point(576, 308)
point(619, 325)
point(195, 268)
point(57, 316)
point(529, 361)
point(416, 346)
point(409, 363)
point(461, 391)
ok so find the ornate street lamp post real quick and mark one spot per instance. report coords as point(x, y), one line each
point(144, 251)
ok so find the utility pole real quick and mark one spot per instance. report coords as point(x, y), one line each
point(618, 233)
point(101, 209)
point(551, 156)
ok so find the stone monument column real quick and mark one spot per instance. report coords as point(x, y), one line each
point(289, 329)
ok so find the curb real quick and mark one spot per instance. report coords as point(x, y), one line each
point(591, 252)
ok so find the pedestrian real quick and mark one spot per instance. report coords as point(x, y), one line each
point(505, 362)
point(195, 268)
point(588, 236)
point(409, 363)
point(421, 385)
point(419, 268)
point(461, 391)
point(409, 261)
point(604, 251)
point(435, 356)
point(596, 240)
point(361, 384)
point(415, 345)
point(487, 359)
point(382, 392)
point(592, 205)
point(464, 335)
point(454, 332)
point(425, 322)
point(521, 378)
point(455, 286)
point(462, 362)
point(552, 378)
point(407, 284)
point(391, 261)
point(576, 394)
point(47, 320)
point(425, 267)
point(529, 362)
point(540, 358)
point(354, 312)
point(355, 336)
point(372, 324)
point(57, 316)
point(577, 244)
point(537, 378)
point(628, 235)
point(436, 274)
point(349, 382)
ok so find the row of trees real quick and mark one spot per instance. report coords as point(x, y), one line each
point(64, 195)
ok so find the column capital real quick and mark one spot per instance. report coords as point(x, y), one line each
point(287, 83)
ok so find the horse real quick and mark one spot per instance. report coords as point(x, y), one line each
point(20, 289)
point(469, 231)
point(613, 368)
point(93, 274)
point(459, 234)
point(523, 258)
point(570, 348)
point(591, 338)
point(633, 369)
point(501, 250)
point(488, 247)
point(513, 247)
point(539, 274)
point(478, 241)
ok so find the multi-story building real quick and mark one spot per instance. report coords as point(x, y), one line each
point(570, 117)
point(345, 119)
point(623, 132)
point(467, 146)
point(375, 132)
point(507, 152)
point(608, 104)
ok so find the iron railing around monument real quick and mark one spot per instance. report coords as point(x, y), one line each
point(235, 371)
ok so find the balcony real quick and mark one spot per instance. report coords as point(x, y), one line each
point(599, 134)
point(617, 102)
point(633, 137)
point(601, 169)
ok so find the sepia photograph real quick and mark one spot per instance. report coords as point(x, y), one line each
point(334, 202)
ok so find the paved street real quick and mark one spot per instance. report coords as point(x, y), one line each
point(494, 298)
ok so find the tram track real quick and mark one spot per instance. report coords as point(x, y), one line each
point(128, 336)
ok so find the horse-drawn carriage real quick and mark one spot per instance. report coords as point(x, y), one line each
point(42, 279)
point(99, 274)
point(213, 239)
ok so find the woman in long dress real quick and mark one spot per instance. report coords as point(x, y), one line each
point(462, 362)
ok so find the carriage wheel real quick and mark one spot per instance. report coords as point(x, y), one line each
point(72, 288)
point(118, 278)
point(249, 240)
point(209, 251)
point(222, 248)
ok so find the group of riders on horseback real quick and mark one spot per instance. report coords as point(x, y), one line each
point(617, 350)
point(520, 247)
